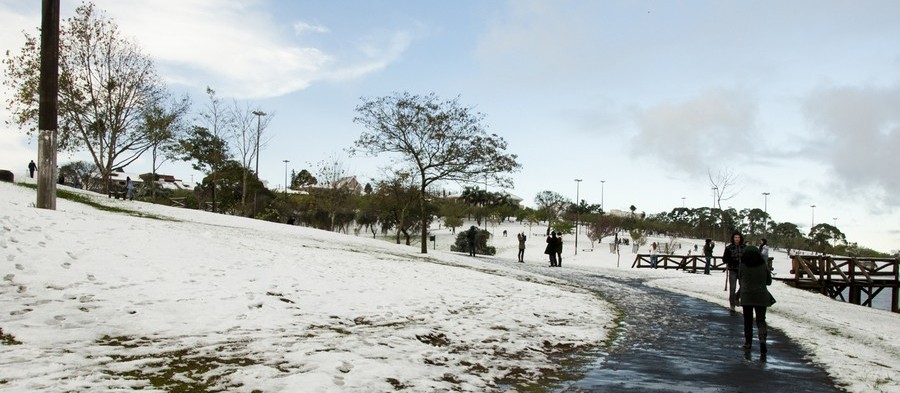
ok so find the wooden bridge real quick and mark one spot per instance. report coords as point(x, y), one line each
point(862, 278)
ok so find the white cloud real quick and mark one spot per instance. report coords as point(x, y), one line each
point(715, 127)
point(859, 136)
point(236, 46)
point(303, 27)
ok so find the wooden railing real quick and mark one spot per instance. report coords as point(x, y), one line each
point(690, 263)
point(862, 278)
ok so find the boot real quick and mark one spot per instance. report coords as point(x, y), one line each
point(762, 339)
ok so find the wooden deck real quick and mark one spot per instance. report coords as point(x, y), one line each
point(862, 278)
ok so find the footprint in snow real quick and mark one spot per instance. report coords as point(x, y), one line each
point(66, 265)
point(21, 312)
point(42, 244)
point(9, 277)
point(91, 277)
point(22, 289)
point(71, 255)
point(19, 266)
point(339, 380)
point(10, 257)
point(345, 367)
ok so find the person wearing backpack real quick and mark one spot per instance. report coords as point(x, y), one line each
point(754, 298)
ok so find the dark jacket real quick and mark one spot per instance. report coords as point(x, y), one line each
point(732, 254)
point(708, 249)
point(551, 245)
point(755, 276)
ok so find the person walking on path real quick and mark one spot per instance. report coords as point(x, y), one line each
point(551, 248)
point(559, 251)
point(653, 255)
point(708, 253)
point(129, 188)
point(31, 168)
point(470, 236)
point(732, 258)
point(755, 277)
point(521, 236)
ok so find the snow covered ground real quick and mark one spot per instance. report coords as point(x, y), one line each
point(100, 300)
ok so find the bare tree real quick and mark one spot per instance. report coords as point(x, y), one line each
point(722, 184)
point(247, 138)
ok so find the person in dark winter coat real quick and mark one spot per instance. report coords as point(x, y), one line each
point(31, 168)
point(755, 277)
point(470, 236)
point(732, 258)
point(521, 236)
point(708, 253)
point(551, 248)
point(559, 250)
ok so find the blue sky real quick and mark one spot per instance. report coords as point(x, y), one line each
point(800, 99)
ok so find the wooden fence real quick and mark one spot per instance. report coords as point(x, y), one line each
point(689, 263)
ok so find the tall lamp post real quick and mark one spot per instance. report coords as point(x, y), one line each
point(715, 191)
point(603, 208)
point(813, 220)
point(259, 114)
point(577, 208)
point(682, 202)
point(285, 177)
point(766, 212)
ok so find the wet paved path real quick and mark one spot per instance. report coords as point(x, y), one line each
point(675, 343)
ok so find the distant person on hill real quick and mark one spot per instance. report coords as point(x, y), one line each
point(755, 276)
point(551, 248)
point(653, 255)
point(31, 168)
point(129, 188)
point(764, 250)
point(559, 250)
point(521, 236)
point(732, 258)
point(470, 236)
point(708, 253)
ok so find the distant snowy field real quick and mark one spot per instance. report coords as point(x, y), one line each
point(106, 301)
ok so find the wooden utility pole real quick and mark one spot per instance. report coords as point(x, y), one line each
point(48, 106)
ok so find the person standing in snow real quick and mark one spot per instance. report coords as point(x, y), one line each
point(708, 253)
point(732, 258)
point(653, 255)
point(551, 248)
point(764, 250)
point(129, 188)
point(31, 168)
point(470, 236)
point(559, 251)
point(521, 236)
point(755, 276)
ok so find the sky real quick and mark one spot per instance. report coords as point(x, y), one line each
point(94, 307)
point(639, 99)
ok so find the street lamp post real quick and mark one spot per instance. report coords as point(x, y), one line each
point(682, 202)
point(259, 114)
point(603, 208)
point(813, 220)
point(285, 177)
point(766, 212)
point(577, 208)
point(715, 191)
